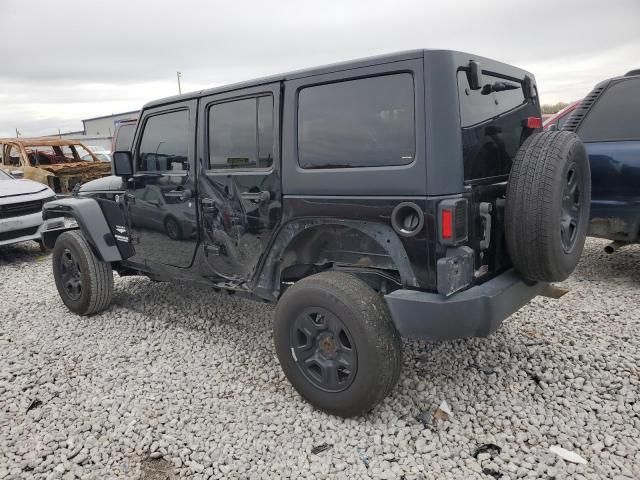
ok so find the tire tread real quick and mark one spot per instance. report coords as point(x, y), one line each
point(100, 274)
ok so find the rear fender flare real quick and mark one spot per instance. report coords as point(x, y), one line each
point(92, 224)
point(268, 280)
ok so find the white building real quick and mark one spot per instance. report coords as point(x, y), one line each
point(99, 130)
point(104, 126)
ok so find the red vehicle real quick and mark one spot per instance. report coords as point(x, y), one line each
point(557, 121)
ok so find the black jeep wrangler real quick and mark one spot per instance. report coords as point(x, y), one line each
point(406, 195)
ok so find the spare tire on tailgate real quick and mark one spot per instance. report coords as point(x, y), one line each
point(547, 206)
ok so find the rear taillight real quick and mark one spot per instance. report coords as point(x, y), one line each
point(452, 221)
point(446, 223)
point(533, 122)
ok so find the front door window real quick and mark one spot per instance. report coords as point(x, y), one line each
point(162, 206)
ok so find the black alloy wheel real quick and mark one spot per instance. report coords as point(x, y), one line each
point(570, 219)
point(70, 274)
point(547, 206)
point(84, 282)
point(324, 350)
point(337, 343)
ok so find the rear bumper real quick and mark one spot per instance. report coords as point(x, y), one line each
point(476, 312)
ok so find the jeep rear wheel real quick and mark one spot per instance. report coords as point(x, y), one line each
point(336, 343)
point(84, 282)
point(547, 206)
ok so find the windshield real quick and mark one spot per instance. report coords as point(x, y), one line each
point(5, 176)
point(57, 154)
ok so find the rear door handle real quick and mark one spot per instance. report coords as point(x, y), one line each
point(257, 197)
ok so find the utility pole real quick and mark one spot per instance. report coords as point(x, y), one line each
point(178, 74)
point(17, 132)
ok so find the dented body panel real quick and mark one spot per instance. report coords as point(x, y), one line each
point(56, 163)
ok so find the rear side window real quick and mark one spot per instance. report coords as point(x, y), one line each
point(165, 143)
point(241, 134)
point(615, 116)
point(369, 122)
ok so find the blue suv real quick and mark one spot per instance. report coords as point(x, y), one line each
point(608, 122)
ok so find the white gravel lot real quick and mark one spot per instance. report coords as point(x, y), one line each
point(177, 381)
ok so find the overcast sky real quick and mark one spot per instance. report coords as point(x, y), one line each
point(62, 61)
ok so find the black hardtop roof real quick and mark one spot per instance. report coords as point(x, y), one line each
point(460, 57)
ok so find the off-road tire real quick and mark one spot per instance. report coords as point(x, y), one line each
point(377, 343)
point(96, 276)
point(535, 206)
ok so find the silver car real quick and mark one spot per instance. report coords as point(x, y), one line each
point(21, 203)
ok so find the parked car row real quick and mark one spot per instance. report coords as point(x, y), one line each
point(34, 171)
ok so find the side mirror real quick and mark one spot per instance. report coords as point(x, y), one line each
point(122, 163)
point(553, 127)
point(474, 75)
point(17, 173)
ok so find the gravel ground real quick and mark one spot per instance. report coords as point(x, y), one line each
point(179, 381)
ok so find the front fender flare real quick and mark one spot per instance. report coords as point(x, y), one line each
point(92, 224)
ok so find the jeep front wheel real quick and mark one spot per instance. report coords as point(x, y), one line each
point(336, 343)
point(84, 282)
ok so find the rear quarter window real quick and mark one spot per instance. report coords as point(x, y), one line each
point(615, 115)
point(367, 122)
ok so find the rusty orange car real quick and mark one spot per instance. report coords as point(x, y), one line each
point(60, 164)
